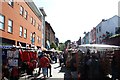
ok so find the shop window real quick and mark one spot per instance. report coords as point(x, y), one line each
point(21, 31)
point(10, 26)
point(21, 10)
point(2, 22)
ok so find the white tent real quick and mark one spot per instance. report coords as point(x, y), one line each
point(98, 47)
point(52, 50)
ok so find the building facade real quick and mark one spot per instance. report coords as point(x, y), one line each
point(85, 39)
point(92, 37)
point(43, 25)
point(20, 23)
point(49, 34)
point(106, 28)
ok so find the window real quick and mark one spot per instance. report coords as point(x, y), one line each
point(26, 14)
point(21, 31)
point(33, 40)
point(10, 2)
point(97, 40)
point(25, 33)
point(117, 30)
point(100, 29)
point(31, 36)
point(34, 22)
point(21, 10)
point(97, 30)
point(38, 38)
point(39, 28)
point(10, 25)
point(37, 25)
point(2, 21)
point(31, 20)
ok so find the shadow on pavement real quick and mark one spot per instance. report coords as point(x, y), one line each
point(63, 69)
point(57, 67)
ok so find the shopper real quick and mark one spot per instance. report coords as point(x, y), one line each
point(49, 66)
point(73, 67)
point(44, 63)
point(40, 55)
point(60, 58)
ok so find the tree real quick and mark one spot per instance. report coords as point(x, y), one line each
point(53, 45)
point(61, 46)
point(67, 42)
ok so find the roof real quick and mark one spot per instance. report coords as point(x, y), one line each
point(34, 8)
point(116, 35)
point(50, 26)
point(42, 11)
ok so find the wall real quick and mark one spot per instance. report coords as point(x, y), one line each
point(13, 13)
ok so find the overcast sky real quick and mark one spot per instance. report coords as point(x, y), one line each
point(71, 18)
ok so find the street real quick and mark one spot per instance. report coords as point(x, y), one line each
point(57, 74)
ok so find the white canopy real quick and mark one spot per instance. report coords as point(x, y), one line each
point(52, 50)
point(99, 46)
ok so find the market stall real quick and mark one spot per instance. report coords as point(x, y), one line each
point(104, 54)
point(17, 60)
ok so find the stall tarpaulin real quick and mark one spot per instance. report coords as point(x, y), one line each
point(99, 46)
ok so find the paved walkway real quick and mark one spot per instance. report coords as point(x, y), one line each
point(57, 74)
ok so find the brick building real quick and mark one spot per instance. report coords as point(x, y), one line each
point(49, 34)
point(93, 36)
point(20, 22)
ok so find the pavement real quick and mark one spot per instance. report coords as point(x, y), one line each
point(57, 74)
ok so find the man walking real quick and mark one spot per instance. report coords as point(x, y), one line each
point(44, 63)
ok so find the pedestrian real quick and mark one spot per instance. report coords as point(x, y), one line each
point(60, 56)
point(44, 63)
point(55, 57)
point(40, 55)
point(73, 67)
point(64, 58)
point(49, 66)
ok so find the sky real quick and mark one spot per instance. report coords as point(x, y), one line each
point(71, 18)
